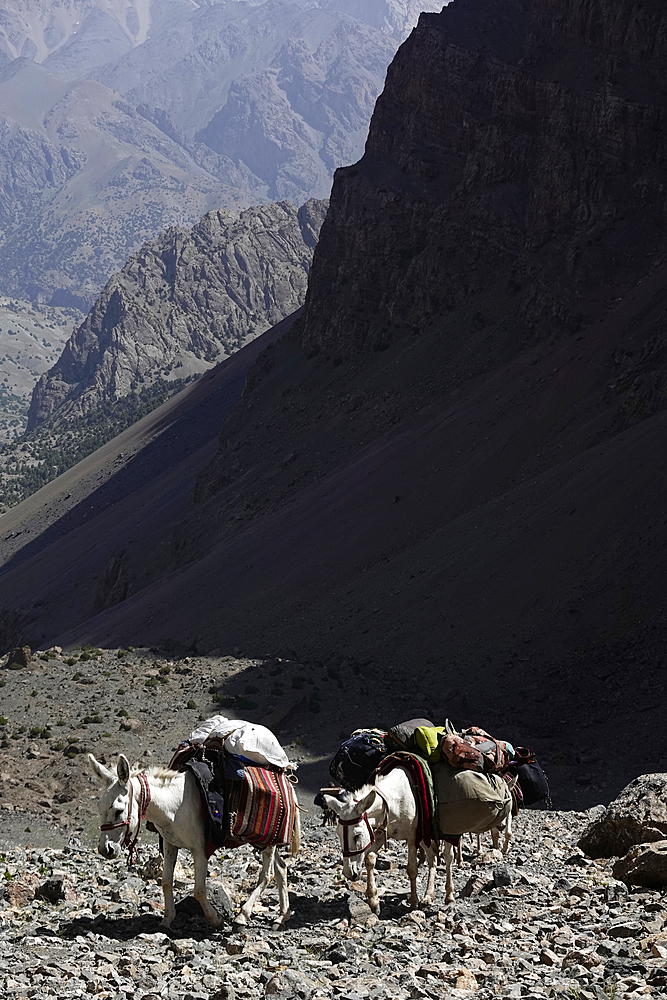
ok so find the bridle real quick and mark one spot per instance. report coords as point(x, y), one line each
point(129, 841)
point(381, 828)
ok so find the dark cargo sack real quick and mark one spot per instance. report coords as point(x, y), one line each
point(532, 779)
point(357, 758)
point(402, 735)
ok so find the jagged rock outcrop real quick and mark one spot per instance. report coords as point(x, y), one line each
point(511, 180)
point(183, 303)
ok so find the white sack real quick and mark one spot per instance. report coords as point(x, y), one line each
point(258, 744)
point(242, 739)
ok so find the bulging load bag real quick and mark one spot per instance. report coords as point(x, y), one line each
point(256, 745)
point(248, 741)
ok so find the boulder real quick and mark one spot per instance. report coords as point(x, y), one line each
point(644, 865)
point(637, 816)
point(21, 656)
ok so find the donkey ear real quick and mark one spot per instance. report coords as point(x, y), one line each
point(102, 772)
point(123, 769)
point(332, 804)
point(363, 805)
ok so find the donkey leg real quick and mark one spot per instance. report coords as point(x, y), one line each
point(449, 882)
point(283, 894)
point(508, 834)
point(412, 873)
point(495, 837)
point(201, 870)
point(267, 871)
point(432, 860)
point(372, 897)
point(168, 865)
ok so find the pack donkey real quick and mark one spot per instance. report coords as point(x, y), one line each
point(367, 819)
point(388, 809)
point(171, 801)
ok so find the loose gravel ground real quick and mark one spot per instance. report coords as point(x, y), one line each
point(543, 922)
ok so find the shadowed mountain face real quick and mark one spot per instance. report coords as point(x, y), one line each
point(119, 121)
point(451, 467)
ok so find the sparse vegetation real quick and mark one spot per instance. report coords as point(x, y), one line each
point(35, 458)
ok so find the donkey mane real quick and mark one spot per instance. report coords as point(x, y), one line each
point(158, 773)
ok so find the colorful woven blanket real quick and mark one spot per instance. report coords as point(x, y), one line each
point(421, 782)
point(262, 808)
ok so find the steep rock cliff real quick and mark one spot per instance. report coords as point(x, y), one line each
point(183, 303)
point(513, 179)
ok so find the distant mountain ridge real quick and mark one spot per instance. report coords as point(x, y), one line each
point(119, 121)
point(181, 304)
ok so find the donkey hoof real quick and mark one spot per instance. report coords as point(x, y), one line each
point(279, 923)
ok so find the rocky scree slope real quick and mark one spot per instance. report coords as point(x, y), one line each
point(545, 921)
point(117, 122)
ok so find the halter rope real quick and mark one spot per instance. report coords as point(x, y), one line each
point(129, 841)
point(381, 828)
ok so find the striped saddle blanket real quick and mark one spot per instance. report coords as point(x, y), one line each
point(261, 808)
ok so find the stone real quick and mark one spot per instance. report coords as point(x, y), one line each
point(625, 929)
point(20, 656)
point(644, 865)
point(638, 815)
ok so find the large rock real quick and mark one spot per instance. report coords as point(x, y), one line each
point(637, 816)
point(645, 865)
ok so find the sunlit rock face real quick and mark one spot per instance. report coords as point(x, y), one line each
point(183, 303)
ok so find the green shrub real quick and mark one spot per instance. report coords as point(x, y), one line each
point(14, 666)
point(246, 703)
point(226, 700)
point(191, 704)
point(3, 720)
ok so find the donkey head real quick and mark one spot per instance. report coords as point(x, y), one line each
point(114, 805)
point(355, 830)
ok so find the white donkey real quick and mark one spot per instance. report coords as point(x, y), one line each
point(388, 807)
point(171, 801)
point(367, 819)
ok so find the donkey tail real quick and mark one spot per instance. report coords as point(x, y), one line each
point(295, 843)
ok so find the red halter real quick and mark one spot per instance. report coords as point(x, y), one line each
point(347, 823)
point(144, 801)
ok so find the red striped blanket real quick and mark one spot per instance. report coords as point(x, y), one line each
point(262, 808)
